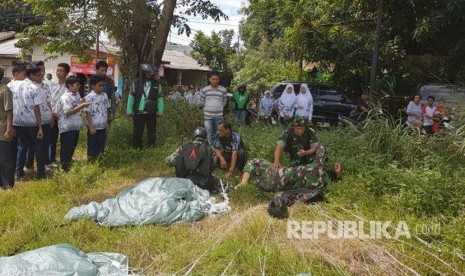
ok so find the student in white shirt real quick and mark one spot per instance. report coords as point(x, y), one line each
point(19, 75)
point(96, 117)
point(70, 121)
point(46, 116)
point(27, 120)
point(58, 88)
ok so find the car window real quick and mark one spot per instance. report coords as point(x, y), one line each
point(278, 90)
point(331, 96)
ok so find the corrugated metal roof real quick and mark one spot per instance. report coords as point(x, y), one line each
point(174, 59)
point(7, 48)
point(181, 61)
point(6, 35)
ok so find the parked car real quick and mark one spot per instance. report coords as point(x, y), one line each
point(328, 102)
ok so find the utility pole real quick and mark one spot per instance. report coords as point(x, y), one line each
point(374, 62)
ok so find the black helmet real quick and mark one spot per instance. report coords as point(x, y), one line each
point(278, 208)
point(242, 85)
point(147, 68)
point(199, 132)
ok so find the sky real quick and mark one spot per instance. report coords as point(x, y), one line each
point(229, 7)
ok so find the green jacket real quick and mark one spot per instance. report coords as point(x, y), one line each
point(131, 99)
point(240, 101)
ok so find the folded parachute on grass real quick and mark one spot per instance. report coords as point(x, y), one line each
point(153, 201)
point(63, 259)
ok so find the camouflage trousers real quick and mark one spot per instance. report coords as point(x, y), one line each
point(312, 175)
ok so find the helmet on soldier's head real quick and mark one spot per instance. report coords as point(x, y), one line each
point(199, 132)
point(300, 122)
point(278, 208)
point(147, 68)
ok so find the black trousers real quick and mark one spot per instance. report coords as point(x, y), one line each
point(140, 121)
point(241, 159)
point(7, 164)
point(68, 144)
point(53, 141)
point(44, 148)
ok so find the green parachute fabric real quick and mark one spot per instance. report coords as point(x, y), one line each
point(153, 201)
point(63, 260)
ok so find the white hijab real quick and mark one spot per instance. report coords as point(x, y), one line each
point(305, 98)
point(288, 99)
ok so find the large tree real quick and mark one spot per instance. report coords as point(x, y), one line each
point(140, 27)
point(214, 50)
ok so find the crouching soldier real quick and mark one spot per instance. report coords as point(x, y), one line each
point(299, 141)
point(195, 161)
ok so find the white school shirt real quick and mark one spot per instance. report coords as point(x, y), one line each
point(25, 98)
point(14, 84)
point(98, 108)
point(46, 97)
point(66, 123)
point(57, 91)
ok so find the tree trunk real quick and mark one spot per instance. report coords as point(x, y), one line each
point(140, 29)
point(163, 30)
point(374, 63)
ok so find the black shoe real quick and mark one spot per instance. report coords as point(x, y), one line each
point(19, 177)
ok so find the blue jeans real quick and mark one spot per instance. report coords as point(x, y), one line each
point(211, 125)
point(240, 115)
point(96, 143)
point(27, 140)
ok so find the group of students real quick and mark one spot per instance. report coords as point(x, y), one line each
point(426, 116)
point(191, 95)
point(39, 111)
point(288, 106)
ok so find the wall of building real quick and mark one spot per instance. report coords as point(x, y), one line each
point(186, 77)
point(51, 63)
point(7, 64)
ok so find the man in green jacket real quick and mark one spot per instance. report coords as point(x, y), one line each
point(241, 103)
point(145, 104)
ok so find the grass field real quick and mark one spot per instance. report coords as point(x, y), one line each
point(388, 176)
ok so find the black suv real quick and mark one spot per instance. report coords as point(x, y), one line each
point(328, 101)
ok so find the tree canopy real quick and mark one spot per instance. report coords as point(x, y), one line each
point(339, 34)
point(213, 50)
point(139, 27)
point(16, 16)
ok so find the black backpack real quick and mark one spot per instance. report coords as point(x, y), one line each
point(194, 162)
point(277, 207)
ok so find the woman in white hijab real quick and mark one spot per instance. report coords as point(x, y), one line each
point(266, 107)
point(286, 104)
point(304, 106)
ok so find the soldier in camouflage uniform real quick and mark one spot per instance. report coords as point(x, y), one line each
point(199, 163)
point(309, 176)
point(299, 141)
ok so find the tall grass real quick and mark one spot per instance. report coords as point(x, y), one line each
point(388, 175)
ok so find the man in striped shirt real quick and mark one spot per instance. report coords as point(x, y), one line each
point(214, 99)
